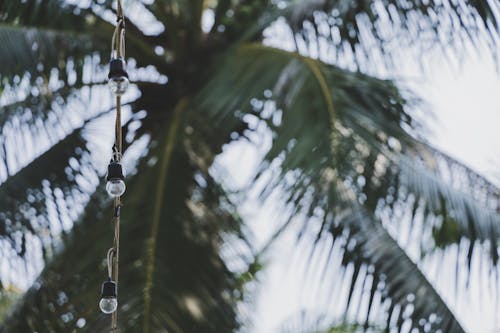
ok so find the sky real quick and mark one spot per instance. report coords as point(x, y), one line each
point(465, 101)
point(467, 106)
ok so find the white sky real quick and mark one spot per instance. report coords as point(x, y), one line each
point(467, 105)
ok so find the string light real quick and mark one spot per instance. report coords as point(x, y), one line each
point(109, 303)
point(115, 185)
point(118, 77)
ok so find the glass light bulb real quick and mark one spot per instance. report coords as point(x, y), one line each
point(108, 304)
point(118, 84)
point(115, 187)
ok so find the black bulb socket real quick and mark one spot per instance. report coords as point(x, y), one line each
point(117, 68)
point(115, 171)
point(108, 289)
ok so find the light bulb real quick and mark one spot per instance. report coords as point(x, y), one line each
point(118, 77)
point(116, 184)
point(108, 304)
point(115, 187)
point(118, 85)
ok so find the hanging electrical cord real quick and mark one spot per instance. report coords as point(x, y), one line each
point(111, 253)
point(115, 186)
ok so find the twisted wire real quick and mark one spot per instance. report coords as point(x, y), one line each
point(117, 51)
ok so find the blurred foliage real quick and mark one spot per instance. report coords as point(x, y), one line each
point(305, 322)
point(448, 233)
point(190, 289)
point(7, 298)
point(344, 154)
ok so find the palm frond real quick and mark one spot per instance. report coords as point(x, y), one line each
point(42, 199)
point(62, 39)
point(42, 118)
point(25, 199)
point(331, 128)
point(465, 200)
point(370, 32)
point(330, 123)
point(388, 279)
point(305, 322)
point(177, 283)
point(49, 14)
point(33, 50)
point(47, 184)
point(286, 75)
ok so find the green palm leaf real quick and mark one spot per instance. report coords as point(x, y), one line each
point(33, 50)
point(172, 277)
point(30, 192)
point(56, 14)
point(394, 275)
point(332, 128)
point(42, 35)
point(329, 123)
point(369, 29)
point(304, 322)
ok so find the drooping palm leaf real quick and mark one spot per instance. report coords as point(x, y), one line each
point(458, 196)
point(42, 199)
point(24, 207)
point(304, 322)
point(388, 280)
point(395, 276)
point(330, 127)
point(373, 30)
point(55, 14)
point(66, 81)
point(33, 50)
point(47, 185)
point(43, 36)
point(330, 123)
point(67, 34)
point(172, 277)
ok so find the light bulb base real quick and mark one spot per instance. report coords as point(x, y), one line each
point(118, 76)
point(108, 289)
point(117, 68)
point(115, 171)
